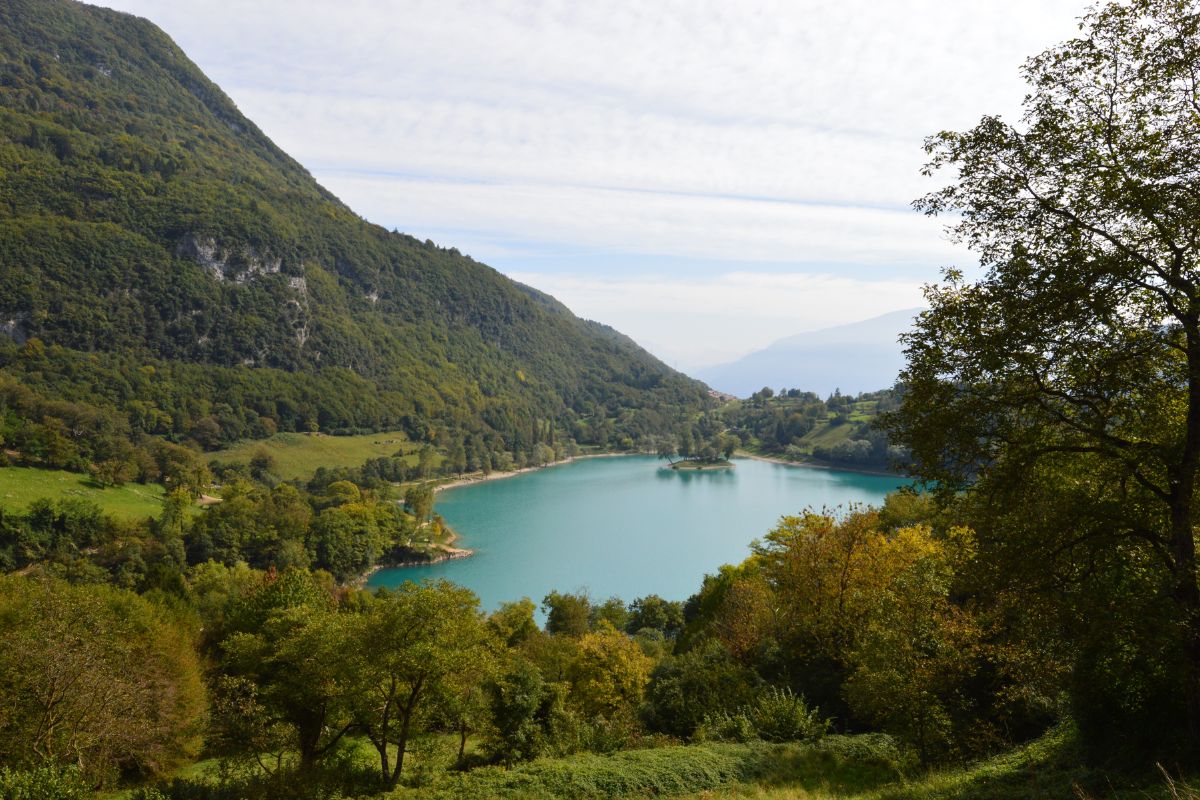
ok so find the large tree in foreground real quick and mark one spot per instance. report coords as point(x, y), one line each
point(1063, 385)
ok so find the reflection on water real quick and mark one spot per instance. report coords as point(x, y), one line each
point(686, 475)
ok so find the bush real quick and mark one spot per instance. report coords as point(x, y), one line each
point(43, 783)
point(727, 727)
point(776, 715)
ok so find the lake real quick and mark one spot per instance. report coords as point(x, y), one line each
point(624, 525)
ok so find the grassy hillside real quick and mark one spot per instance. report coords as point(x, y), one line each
point(297, 455)
point(20, 486)
point(862, 767)
point(1050, 767)
point(800, 426)
point(159, 254)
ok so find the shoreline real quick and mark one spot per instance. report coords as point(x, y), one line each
point(477, 477)
point(879, 473)
point(447, 550)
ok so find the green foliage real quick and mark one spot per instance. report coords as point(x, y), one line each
point(1061, 387)
point(419, 502)
point(776, 715)
point(608, 674)
point(688, 687)
point(637, 773)
point(95, 677)
point(654, 613)
point(513, 623)
point(780, 715)
point(567, 614)
point(285, 666)
point(800, 426)
point(162, 258)
point(43, 783)
point(529, 716)
point(417, 646)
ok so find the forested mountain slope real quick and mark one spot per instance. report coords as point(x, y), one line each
point(160, 255)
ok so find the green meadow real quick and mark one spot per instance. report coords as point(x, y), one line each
point(20, 486)
point(297, 455)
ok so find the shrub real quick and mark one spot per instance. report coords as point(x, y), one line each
point(43, 783)
point(776, 715)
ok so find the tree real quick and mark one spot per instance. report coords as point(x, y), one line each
point(513, 622)
point(657, 614)
point(287, 663)
point(528, 713)
point(95, 677)
point(686, 688)
point(917, 654)
point(567, 614)
point(609, 674)
point(665, 447)
point(419, 500)
point(1075, 358)
point(418, 647)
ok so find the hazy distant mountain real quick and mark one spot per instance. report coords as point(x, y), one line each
point(859, 357)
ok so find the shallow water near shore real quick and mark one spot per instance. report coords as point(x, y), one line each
point(626, 526)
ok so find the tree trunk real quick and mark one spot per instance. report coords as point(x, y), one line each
point(381, 748)
point(309, 731)
point(1183, 542)
point(401, 746)
point(406, 722)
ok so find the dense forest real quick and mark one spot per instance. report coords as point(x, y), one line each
point(159, 256)
point(1023, 622)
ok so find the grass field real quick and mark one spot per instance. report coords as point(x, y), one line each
point(20, 486)
point(297, 455)
point(862, 767)
point(1050, 767)
point(826, 435)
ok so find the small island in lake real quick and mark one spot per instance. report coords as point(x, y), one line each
point(699, 464)
point(692, 450)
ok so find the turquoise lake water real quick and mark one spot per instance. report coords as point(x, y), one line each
point(626, 526)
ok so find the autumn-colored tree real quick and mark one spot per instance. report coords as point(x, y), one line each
point(609, 674)
point(917, 652)
point(96, 677)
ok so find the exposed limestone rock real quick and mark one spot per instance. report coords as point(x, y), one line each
point(238, 264)
point(13, 326)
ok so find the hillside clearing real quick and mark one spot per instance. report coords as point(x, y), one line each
point(20, 486)
point(298, 455)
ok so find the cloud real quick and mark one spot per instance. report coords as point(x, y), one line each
point(707, 141)
point(736, 230)
point(693, 323)
point(821, 101)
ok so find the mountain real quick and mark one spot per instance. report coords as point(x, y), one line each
point(858, 357)
point(161, 256)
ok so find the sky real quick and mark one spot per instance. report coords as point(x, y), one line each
point(707, 177)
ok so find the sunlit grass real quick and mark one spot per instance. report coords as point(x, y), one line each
point(298, 455)
point(20, 486)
